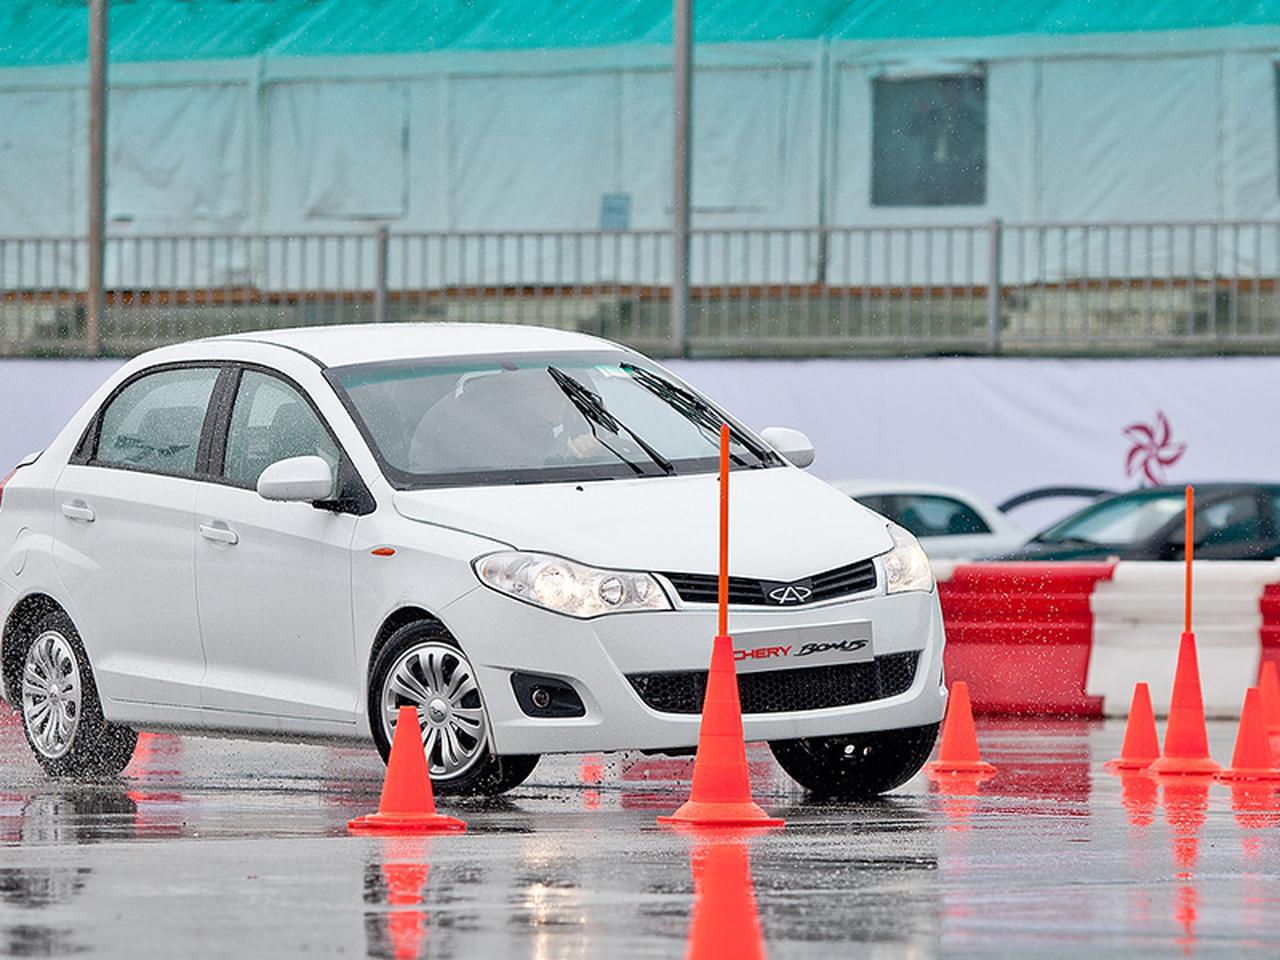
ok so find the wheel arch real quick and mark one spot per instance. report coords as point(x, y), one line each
point(400, 617)
point(20, 622)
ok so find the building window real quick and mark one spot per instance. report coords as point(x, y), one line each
point(929, 142)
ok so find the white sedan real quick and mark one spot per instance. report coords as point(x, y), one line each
point(292, 534)
point(950, 523)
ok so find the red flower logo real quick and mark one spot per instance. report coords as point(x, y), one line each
point(1153, 449)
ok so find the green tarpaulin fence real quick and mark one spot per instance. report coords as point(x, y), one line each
point(49, 32)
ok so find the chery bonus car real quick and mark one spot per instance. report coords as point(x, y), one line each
point(291, 534)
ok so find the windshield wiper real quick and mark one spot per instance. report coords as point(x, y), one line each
point(592, 408)
point(696, 410)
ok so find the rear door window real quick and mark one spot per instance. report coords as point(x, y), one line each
point(154, 424)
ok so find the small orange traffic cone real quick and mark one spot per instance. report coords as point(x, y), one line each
point(1186, 740)
point(1269, 684)
point(721, 790)
point(1252, 759)
point(726, 922)
point(1141, 741)
point(959, 750)
point(407, 804)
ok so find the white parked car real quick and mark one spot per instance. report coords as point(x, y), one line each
point(950, 523)
point(291, 534)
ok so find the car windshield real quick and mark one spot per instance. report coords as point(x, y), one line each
point(536, 418)
point(1117, 522)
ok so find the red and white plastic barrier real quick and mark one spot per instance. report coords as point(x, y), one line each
point(1072, 638)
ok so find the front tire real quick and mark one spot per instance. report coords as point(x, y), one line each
point(60, 707)
point(856, 765)
point(422, 666)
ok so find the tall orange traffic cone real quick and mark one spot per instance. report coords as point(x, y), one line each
point(1186, 740)
point(407, 804)
point(1269, 684)
point(721, 790)
point(726, 922)
point(1141, 741)
point(1252, 759)
point(959, 750)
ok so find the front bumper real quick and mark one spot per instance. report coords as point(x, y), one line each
point(502, 636)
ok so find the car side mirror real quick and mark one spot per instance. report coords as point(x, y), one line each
point(297, 480)
point(792, 444)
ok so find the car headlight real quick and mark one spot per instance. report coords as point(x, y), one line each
point(905, 566)
point(567, 587)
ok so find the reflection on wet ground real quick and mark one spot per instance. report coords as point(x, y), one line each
point(207, 847)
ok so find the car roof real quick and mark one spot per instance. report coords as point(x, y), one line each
point(866, 488)
point(1213, 486)
point(339, 345)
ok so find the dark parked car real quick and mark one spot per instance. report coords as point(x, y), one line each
point(1234, 521)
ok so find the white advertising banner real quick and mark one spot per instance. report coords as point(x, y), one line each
point(995, 426)
point(1002, 426)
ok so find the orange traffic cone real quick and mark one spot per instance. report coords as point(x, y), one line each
point(726, 922)
point(407, 804)
point(1186, 741)
point(1252, 759)
point(1141, 742)
point(721, 790)
point(1269, 684)
point(959, 750)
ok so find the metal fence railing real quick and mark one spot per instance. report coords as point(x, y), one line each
point(979, 288)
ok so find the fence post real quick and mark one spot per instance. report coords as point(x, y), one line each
point(682, 175)
point(95, 295)
point(994, 230)
point(381, 246)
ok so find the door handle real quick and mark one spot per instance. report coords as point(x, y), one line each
point(78, 510)
point(219, 532)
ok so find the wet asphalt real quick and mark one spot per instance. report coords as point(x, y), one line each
point(230, 848)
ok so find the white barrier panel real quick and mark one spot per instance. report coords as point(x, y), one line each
point(995, 426)
point(1137, 620)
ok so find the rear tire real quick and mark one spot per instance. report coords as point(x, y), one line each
point(60, 707)
point(856, 765)
point(421, 665)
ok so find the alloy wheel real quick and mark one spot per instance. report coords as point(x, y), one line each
point(51, 694)
point(439, 681)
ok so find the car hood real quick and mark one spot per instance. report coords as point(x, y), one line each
point(784, 524)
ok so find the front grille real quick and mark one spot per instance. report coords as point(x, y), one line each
point(841, 582)
point(780, 691)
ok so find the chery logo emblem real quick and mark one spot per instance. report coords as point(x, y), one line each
point(791, 593)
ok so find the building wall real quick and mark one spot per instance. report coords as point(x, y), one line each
point(1137, 127)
